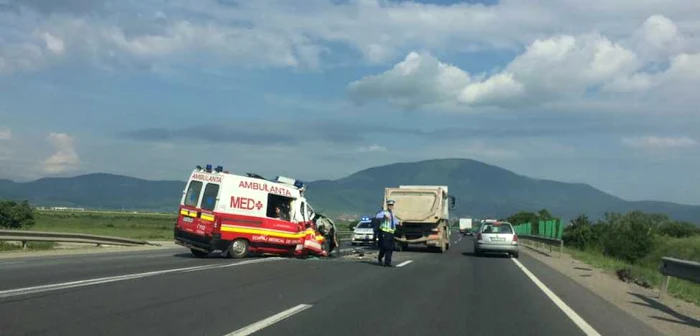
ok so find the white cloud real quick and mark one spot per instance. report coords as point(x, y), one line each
point(656, 142)
point(5, 133)
point(419, 80)
point(53, 44)
point(372, 148)
point(563, 67)
point(65, 158)
point(299, 33)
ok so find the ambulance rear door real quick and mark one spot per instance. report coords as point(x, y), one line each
point(197, 208)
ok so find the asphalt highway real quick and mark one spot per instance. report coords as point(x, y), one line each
point(167, 292)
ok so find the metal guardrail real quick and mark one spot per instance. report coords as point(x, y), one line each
point(65, 237)
point(545, 240)
point(678, 268)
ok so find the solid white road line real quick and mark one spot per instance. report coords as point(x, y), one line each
point(404, 263)
point(583, 325)
point(257, 326)
point(97, 281)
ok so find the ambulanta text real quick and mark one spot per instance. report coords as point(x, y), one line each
point(206, 178)
point(264, 187)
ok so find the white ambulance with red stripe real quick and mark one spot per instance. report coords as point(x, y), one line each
point(239, 215)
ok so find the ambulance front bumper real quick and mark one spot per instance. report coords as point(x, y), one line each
point(202, 243)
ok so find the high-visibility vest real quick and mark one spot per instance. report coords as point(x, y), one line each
point(387, 224)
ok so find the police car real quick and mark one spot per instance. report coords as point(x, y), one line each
point(363, 233)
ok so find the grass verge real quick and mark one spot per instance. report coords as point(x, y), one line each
point(645, 271)
point(147, 226)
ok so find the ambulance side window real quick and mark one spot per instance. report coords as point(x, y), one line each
point(282, 202)
point(192, 194)
point(211, 193)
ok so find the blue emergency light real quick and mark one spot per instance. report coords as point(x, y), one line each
point(219, 169)
point(298, 184)
point(365, 219)
point(209, 167)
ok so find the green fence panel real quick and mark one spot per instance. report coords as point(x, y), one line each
point(561, 230)
point(550, 229)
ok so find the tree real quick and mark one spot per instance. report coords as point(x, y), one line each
point(523, 217)
point(580, 233)
point(544, 215)
point(15, 215)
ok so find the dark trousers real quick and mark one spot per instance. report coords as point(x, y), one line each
point(386, 247)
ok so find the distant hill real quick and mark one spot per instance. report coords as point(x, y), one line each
point(97, 191)
point(481, 190)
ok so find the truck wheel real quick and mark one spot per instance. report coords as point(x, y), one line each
point(198, 253)
point(239, 248)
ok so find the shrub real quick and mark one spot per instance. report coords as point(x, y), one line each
point(678, 229)
point(580, 233)
point(15, 215)
point(629, 237)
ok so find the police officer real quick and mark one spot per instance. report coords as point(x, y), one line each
point(387, 229)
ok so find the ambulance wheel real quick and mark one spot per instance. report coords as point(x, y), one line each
point(239, 248)
point(198, 253)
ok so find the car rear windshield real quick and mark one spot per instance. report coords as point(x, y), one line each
point(499, 228)
point(365, 225)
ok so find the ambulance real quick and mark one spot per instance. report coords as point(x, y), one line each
point(239, 215)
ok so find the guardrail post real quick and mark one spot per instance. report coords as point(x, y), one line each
point(24, 244)
point(664, 286)
point(561, 248)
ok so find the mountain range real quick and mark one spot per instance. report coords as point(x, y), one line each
point(482, 190)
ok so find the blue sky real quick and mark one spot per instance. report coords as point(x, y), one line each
point(602, 92)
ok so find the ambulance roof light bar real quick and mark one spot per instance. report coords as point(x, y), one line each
point(290, 181)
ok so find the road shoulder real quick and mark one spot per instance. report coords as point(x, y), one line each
point(670, 317)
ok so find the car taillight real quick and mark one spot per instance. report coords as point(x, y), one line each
point(515, 237)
